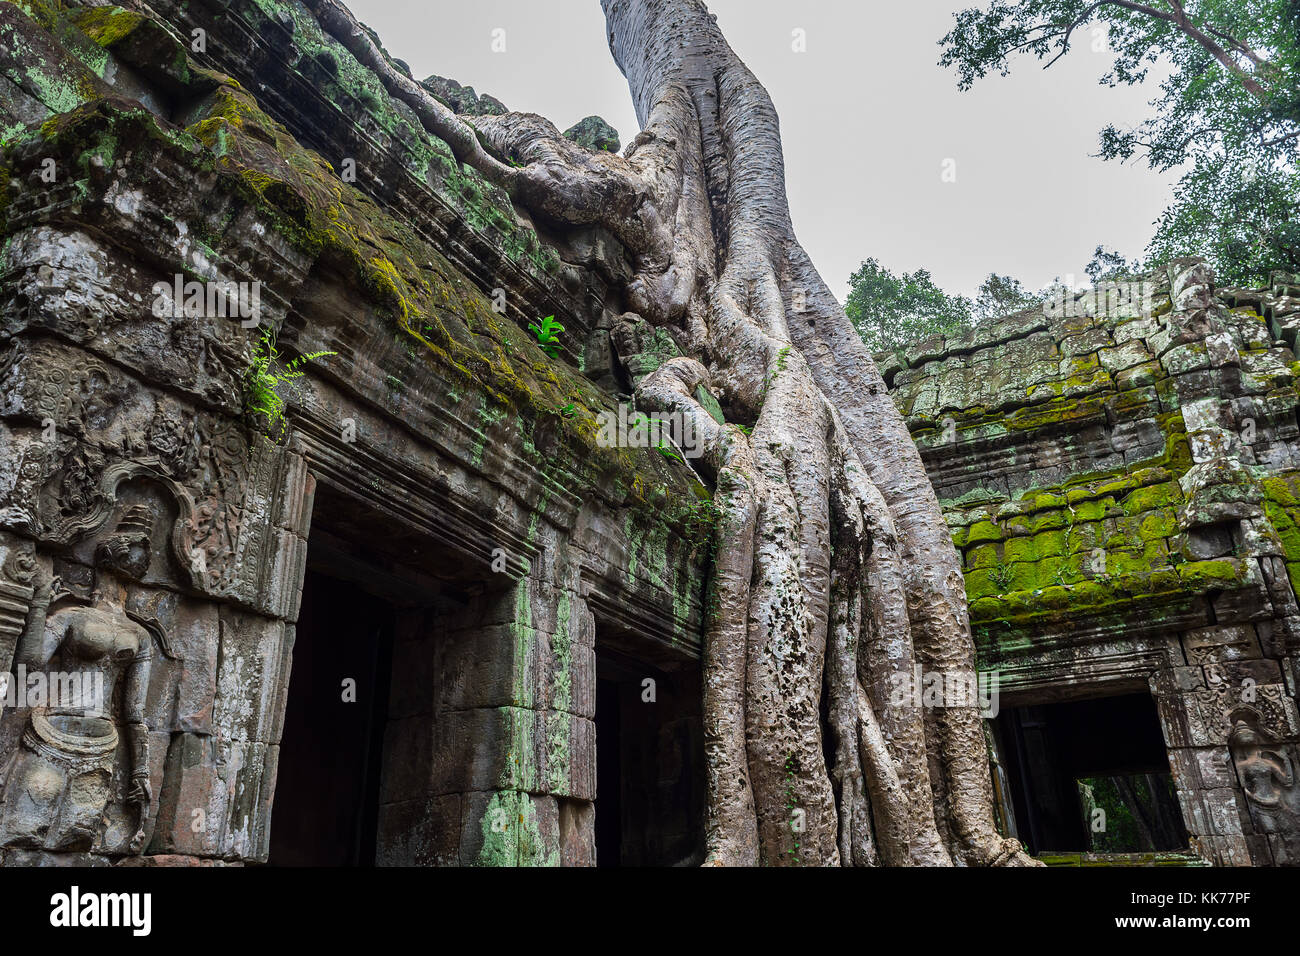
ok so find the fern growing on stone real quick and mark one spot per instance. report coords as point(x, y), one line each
point(265, 375)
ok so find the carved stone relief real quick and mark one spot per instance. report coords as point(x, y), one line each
point(1267, 771)
point(78, 689)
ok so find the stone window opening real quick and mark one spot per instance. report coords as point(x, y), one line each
point(1090, 776)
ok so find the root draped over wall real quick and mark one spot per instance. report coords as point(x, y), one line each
point(836, 574)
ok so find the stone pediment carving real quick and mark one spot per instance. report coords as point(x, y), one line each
point(68, 519)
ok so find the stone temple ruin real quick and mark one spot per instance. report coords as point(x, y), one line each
point(426, 616)
point(1122, 484)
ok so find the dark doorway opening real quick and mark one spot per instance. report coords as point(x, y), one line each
point(327, 785)
point(1091, 775)
point(609, 775)
point(649, 764)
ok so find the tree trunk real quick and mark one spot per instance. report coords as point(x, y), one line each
point(836, 574)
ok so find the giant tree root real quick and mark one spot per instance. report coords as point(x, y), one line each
point(835, 572)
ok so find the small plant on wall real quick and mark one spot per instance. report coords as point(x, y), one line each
point(1001, 575)
point(548, 335)
point(262, 382)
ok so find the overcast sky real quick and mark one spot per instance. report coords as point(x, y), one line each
point(868, 120)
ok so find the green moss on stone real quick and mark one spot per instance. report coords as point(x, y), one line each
point(107, 25)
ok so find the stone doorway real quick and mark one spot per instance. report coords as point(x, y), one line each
point(384, 632)
point(1090, 776)
point(649, 763)
point(327, 789)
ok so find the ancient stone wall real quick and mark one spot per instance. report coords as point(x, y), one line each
point(1123, 480)
point(1119, 471)
point(155, 532)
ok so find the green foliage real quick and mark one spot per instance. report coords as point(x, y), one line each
point(638, 420)
point(891, 310)
point(778, 367)
point(701, 521)
point(265, 375)
point(1244, 218)
point(1120, 798)
point(1107, 265)
point(1227, 117)
point(548, 335)
point(1002, 295)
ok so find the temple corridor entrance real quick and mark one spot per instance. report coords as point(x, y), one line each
point(327, 787)
point(649, 764)
point(1092, 776)
point(393, 692)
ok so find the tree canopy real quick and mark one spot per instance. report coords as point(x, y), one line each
point(890, 310)
point(1227, 115)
